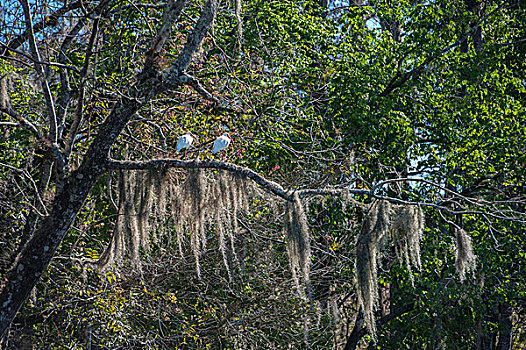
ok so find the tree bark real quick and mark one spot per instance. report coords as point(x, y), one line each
point(41, 247)
point(483, 338)
point(359, 331)
point(354, 338)
point(505, 327)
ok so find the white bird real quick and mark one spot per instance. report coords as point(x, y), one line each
point(221, 143)
point(185, 141)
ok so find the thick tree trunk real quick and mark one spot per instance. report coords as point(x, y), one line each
point(505, 327)
point(36, 255)
point(483, 338)
point(359, 331)
point(356, 334)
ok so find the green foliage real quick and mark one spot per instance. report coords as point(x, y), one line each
point(313, 99)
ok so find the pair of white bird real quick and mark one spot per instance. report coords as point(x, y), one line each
point(221, 143)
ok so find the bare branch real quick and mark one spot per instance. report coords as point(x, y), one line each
point(11, 124)
point(171, 76)
point(193, 82)
point(77, 120)
point(22, 122)
point(32, 59)
point(137, 6)
point(41, 72)
point(65, 91)
point(171, 14)
point(49, 21)
point(445, 189)
point(33, 184)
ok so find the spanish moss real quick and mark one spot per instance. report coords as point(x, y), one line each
point(298, 240)
point(465, 259)
point(375, 227)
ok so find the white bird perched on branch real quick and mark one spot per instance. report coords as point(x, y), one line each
point(185, 141)
point(221, 143)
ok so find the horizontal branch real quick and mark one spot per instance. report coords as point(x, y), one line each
point(137, 7)
point(266, 184)
point(32, 59)
point(286, 194)
point(11, 124)
point(333, 192)
point(431, 183)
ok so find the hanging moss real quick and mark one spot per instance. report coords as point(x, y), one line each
point(465, 259)
point(405, 226)
point(298, 241)
point(408, 228)
point(141, 202)
point(375, 227)
point(196, 204)
point(200, 202)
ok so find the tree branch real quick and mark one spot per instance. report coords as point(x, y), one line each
point(49, 21)
point(193, 82)
point(65, 89)
point(171, 14)
point(359, 332)
point(172, 75)
point(32, 59)
point(78, 117)
point(286, 194)
point(268, 185)
point(399, 79)
point(40, 69)
point(37, 253)
point(22, 122)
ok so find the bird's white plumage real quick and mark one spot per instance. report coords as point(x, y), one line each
point(221, 143)
point(185, 141)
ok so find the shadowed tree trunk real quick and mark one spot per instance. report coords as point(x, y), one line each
point(359, 331)
point(354, 338)
point(483, 338)
point(505, 327)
